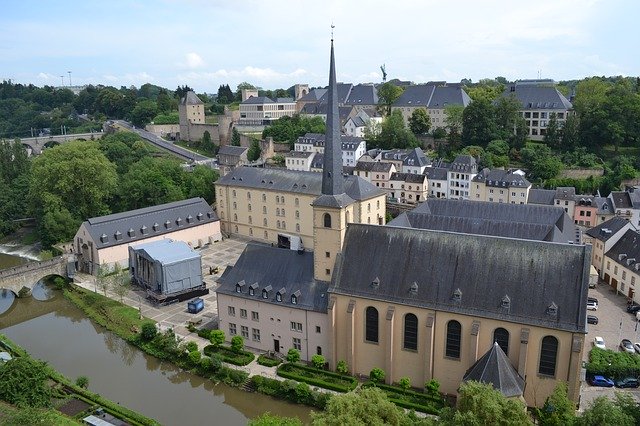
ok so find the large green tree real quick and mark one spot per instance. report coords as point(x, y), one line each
point(23, 383)
point(510, 125)
point(453, 113)
point(602, 411)
point(419, 122)
point(540, 162)
point(478, 123)
point(143, 112)
point(254, 151)
point(552, 136)
point(558, 409)
point(394, 133)
point(388, 93)
point(288, 129)
point(151, 181)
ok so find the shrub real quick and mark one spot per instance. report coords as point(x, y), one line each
point(410, 399)
point(205, 333)
point(377, 375)
point(315, 377)
point(148, 331)
point(205, 365)
point(318, 361)
point(216, 337)
point(216, 362)
point(293, 355)
point(191, 346)
point(342, 367)
point(229, 355)
point(290, 391)
point(237, 343)
point(303, 392)
point(234, 377)
point(194, 357)
point(432, 388)
point(268, 361)
point(82, 381)
point(613, 364)
point(404, 383)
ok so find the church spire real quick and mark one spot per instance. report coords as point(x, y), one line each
point(332, 178)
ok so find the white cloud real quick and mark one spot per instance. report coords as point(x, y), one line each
point(193, 60)
point(46, 76)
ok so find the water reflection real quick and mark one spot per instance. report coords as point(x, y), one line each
point(43, 290)
point(6, 300)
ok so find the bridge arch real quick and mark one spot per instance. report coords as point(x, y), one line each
point(28, 274)
point(51, 144)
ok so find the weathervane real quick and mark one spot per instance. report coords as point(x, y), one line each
point(332, 27)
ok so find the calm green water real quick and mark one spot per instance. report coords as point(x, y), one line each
point(8, 261)
point(58, 332)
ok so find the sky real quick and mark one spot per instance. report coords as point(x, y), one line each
point(276, 43)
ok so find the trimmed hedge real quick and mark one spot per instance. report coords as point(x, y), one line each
point(299, 393)
point(613, 364)
point(268, 361)
point(316, 377)
point(236, 358)
point(410, 399)
point(205, 333)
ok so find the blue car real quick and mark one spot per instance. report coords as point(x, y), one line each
point(601, 381)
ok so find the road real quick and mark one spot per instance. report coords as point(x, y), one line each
point(178, 151)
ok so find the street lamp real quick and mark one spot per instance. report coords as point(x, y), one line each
point(69, 78)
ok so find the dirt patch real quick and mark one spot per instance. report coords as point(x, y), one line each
point(73, 407)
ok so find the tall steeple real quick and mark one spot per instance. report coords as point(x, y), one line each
point(332, 178)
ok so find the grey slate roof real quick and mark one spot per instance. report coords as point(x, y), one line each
point(279, 268)
point(299, 154)
point(314, 95)
point(607, 229)
point(344, 89)
point(604, 205)
point(495, 368)
point(294, 182)
point(358, 121)
point(484, 269)
point(621, 200)
point(565, 193)
point(626, 251)
point(436, 173)
point(415, 96)
point(321, 109)
point(416, 158)
point(541, 196)
point(449, 95)
point(465, 164)
point(258, 100)
point(524, 221)
point(349, 143)
point(191, 99)
point(362, 94)
point(373, 166)
point(408, 177)
point(137, 225)
point(532, 97)
point(501, 178)
point(232, 150)
point(432, 96)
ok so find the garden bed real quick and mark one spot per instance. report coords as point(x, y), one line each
point(230, 356)
point(316, 377)
point(410, 399)
point(268, 361)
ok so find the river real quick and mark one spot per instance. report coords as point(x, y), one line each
point(59, 333)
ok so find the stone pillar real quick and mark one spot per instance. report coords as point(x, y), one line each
point(390, 339)
point(333, 336)
point(524, 347)
point(428, 347)
point(575, 368)
point(473, 345)
point(351, 319)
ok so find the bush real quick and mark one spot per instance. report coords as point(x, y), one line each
point(293, 355)
point(291, 391)
point(318, 361)
point(216, 337)
point(409, 399)
point(191, 346)
point(342, 367)
point(82, 381)
point(237, 343)
point(216, 362)
point(613, 364)
point(205, 333)
point(315, 377)
point(404, 383)
point(149, 331)
point(377, 375)
point(194, 357)
point(268, 361)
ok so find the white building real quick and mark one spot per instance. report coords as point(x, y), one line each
point(352, 147)
point(261, 111)
point(462, 171)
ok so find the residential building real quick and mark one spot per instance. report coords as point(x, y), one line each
point(105, 240)
point(627, 204)
point(299, 160)
point(433, 97)
point(622, 265)
point(352, 147)
point(586, 210)
point(438, 178)
point(565, 197)
point(500, 186)
point(539, 99)
point(603, 237)
point(461, 172)
point(230, 157)
point(262, 111)
point(415, 162)
point(356, 125)
point(408, 188)
point(428, 304)
point(378, 173)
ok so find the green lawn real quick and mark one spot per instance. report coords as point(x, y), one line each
point(186, 145)
point(608, 152)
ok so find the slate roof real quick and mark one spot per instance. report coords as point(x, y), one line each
point(373, 166)
point(137, 225)
point(257, 100)
point(231, 150)
point(432, 96)
point(436, 173)
point(626, 251)
point(321, 109)
point(349, 143)
point(314, 95)
point(263, 266)
point(533, 96)
point(495, 368)
point(362, 94)
point(294, 182)
point(167, 251)
point(524, 221)
point(501, 178)
point(299, 154)
point(607, 229)
point(621, 200)
point(415, 96)
point(604, 205)
point(541, 196)
point(534, 275)
point(565, 193)
point(357, 121)
point(416, 158)
point(465, 164)
point(191, 99)
point(344, 89)
point(408, 177)
point(449, 95)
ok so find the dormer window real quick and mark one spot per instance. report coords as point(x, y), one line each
point(505, 303)
point(457, 295)
point(104, 238)
point(552, 310)
point(189, 219)
point(118, 235)
point(144, 230)
point(278, 297)
point(179, 221)
point(239, 286)
point(414, 288)
point(265, 294)
point(375, 283)
point(167, 224)
point(156, 226)
point(199, 216)
point(131, 232)
point(294, 297)
point(252, 289)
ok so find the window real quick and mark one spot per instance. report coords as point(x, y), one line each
point(232, 329)
point(327, 220)
point(244, 331)
point(264, 197)
point(235, 218)
point(327, 254)
point(501, 337)
point(297, 344)
point(297, 202)
point(296, 326)
point(234, 193)
point(255, 316)
point(548, 354)
point(252, 292)
point(371, 324)
point(318, 350)
point(624, 275)
point(294, 299)
point(264, 209)
point(232, 311)
point(248, 195)
point(615, 269)
point(250, 219)
point(297, 227)
point(454, 338)
point(264, 221)
point(255, 334)
point(318, 329)
point(410, 332)
point(327, 271)
point(249, 207)
point(243, 313)
point(235, 205)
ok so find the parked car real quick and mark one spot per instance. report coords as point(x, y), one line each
point(598, 342)
point(632, 309)
point(636, 346)
point(628, 382)
point(601, 381)
point(592, 299)
point(592, 319)
point(592, 306)
point(627, 346)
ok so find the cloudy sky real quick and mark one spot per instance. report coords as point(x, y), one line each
point(277, 43)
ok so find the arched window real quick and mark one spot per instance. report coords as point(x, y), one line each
point(327, 220)
point(277, 198)
point(297, 202)
point(264, 209)
point(297, 227)
point(249, 206)
point(297, 214)
point(250, 219)
point(266, 235)
point(234, 192)
point(501, 336)
point(548, 356)
point(248, 195)
point(282, 211)
point(264, 221)
point(369, 207)
point(284, 225)
point(454, 338)
point(410, 332)
point(347, 216)
point(278, 224)
point(236, 228)
point(235, 205)
point(371, 325)
point(277, 212)
point(235, 217)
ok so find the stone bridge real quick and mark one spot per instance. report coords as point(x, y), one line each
point(36, 145)
point(28, 274)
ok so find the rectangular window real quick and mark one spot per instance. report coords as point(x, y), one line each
point(296, 326)
point(297, 343)
point(255, 334)
point(615, 269)
point(232, 329)
point(624, 275)
point(232, 311)
point(244, 331)
point(318, 327)
point(255, 316)
point(243, 313)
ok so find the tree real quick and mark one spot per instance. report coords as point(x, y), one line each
point(293, 355)
point(148, 331)
point(121, 281)
point(181, 91)
point(289, 129)
point(225, 95)
point(558, 409)
point(199, 183)
point(207, 144)
point(318, 361)
point(419, 122)
point(23, 383)
point(143, 113)
point(510, 125)
point(82, 381)
point(217, 338)
point(164, 102)
point(268, 419)
point(602, 411)
point(388, 93)
point(486, 89)
point(342, 367)
point(552, 134)
point(103, 281)
point(235, 137)
point(194, 357)
point(478, 125)
point(394, 133)
point(540, 161)
point(254, 151)
point(569, 133)
point(237, 343)
point(481, 404)
point(453, 113)
point(151, 181)
point(191, 346)
point(404, 383)
point(628, 405)
point(377, 375)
